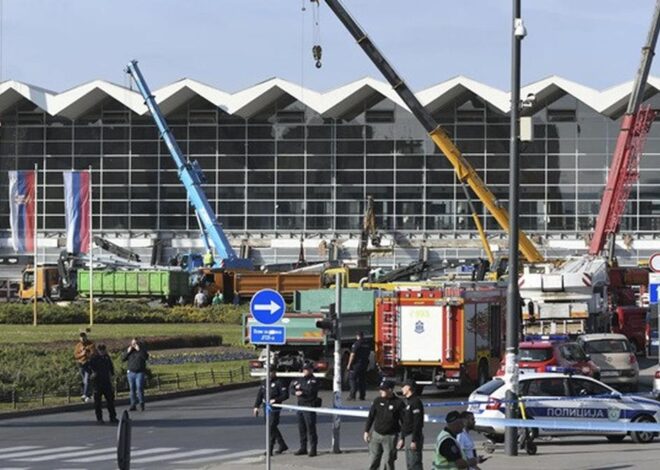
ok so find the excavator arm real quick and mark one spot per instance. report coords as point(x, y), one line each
point(464, 171)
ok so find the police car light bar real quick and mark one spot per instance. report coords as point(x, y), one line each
point(547, 337)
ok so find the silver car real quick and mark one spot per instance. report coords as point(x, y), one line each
point(615, 357)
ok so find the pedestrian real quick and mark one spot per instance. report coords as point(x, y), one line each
point(448, 454)
point(467, 444)
point(385, 416)
point(83, 352)
point(307, 390)
point(358, 363)
point(200, 298)
point(218, 298)
point(136, 357)
point(412, 426)
point(208, 259)
point(278, 394)
point(103, 370)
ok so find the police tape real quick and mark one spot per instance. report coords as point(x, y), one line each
point(549, 424)
point(446, 404)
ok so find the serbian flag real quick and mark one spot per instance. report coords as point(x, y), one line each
point(77, 209)
point(22, 204)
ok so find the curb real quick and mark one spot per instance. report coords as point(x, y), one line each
point(126, 401)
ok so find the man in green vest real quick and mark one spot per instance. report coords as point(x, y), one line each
point(208, 259)
point(448, 454)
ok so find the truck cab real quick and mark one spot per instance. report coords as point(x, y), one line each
point(47, 283)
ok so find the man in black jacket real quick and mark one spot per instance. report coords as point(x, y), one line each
point(278, 394)
point(307, 391)
point(412, 426)
point(385, 416)
point(136, 356)
point(358, 363)
point(102, 372)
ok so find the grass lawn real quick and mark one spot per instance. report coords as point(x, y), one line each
point(12, 334)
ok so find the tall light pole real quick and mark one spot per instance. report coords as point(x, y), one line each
point(513, 296)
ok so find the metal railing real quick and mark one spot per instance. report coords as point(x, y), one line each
point(154, 383)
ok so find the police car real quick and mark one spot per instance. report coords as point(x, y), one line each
point(559, 397)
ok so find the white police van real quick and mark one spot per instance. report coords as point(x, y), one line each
point(559, 397)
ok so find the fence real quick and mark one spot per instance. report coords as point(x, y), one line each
point(154, 383)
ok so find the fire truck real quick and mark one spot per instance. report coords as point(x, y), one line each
point(450, 336)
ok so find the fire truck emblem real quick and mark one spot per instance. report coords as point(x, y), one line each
point(419, 327)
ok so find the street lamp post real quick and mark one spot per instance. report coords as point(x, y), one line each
point(513, 295)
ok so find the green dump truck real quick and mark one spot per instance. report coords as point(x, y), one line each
point(305, 343)
point(168, 285)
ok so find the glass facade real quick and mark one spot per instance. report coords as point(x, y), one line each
point(288, 170)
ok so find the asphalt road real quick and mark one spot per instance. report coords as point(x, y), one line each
point(213, 431)
point(184, 433)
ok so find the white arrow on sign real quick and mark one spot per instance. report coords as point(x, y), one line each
point(273, 307)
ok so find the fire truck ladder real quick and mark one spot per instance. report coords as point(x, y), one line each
point(388, 328)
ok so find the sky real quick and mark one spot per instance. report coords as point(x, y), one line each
point(234, 44)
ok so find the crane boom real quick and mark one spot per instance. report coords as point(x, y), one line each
point(190, 174)
point(464, 171)
point(624, 170)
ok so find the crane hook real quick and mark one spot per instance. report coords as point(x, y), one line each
point(317, 52)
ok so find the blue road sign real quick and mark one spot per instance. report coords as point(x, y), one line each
point(267, 306)
point(654, 288)
point(267, 334)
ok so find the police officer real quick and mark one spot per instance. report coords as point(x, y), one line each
point(358, 362)
point(448, 454)
point(412, 426)
point(307, 390)
point(278, 394)
point(385, 416)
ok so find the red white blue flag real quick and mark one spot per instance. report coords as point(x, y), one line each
point(77, 209)
point(22, 206)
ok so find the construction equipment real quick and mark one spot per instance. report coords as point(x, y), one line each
point(465, 173)
point(624, 170)
point(192, 178)
point(449, 336)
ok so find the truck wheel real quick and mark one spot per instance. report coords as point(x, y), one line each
point(482, 375)
point(643, 437)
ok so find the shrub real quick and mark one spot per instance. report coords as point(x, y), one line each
point(122, 312)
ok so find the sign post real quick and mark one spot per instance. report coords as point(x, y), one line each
point(654, 295)
point(267, 307)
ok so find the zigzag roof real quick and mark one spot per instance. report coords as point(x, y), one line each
point(339, 102)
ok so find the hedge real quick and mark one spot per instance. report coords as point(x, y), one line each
point(121, 312)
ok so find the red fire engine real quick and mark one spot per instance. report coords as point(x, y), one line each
point(447, 336)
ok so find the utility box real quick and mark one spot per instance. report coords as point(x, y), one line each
point(526, 129)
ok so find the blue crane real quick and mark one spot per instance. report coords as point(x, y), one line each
point(192, 177)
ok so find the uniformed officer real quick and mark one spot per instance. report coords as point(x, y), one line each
point(385, 416)
point(358, 362)
point(412, 426)
point(448, 454)
point(278, 394)
point(307, 389)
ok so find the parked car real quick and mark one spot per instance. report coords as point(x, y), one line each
point(564, 398)
point(556, 355)
point(616, 358)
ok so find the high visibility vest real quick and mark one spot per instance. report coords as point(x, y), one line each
point(440, 462)
point(208, 258)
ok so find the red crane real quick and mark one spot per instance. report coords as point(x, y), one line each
point(624, 170)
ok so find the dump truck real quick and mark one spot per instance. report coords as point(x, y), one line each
point(305, 342)
point(167, 285)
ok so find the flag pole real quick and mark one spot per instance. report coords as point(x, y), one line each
point(35, 282)
point(91, 262)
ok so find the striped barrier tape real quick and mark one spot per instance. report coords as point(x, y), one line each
point(577, 425)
